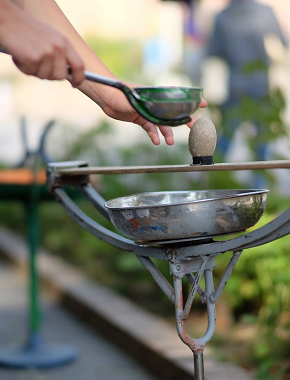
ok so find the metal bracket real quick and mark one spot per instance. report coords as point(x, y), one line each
point(180, 269)
point(202, 266)
point(54, 180)
point(216, 295)
point(157, 276)
point(196, 345)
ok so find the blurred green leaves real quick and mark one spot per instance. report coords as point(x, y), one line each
point(123, 57)
point(266, 113)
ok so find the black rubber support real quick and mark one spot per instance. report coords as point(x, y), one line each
point(202, 160)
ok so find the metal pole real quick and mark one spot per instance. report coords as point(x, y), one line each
point(157, 276)
point(194, 287)
point(32, 217)
point(198, 366)
point(214, 296)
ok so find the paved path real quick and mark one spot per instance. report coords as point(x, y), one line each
point(99, 359)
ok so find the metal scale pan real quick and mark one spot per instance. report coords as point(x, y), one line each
point(165, 216)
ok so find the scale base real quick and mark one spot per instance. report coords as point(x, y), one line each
point(37, 353)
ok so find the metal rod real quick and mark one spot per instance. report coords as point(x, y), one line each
point(178, 297)
point(33, 233)
point(34, 309)
point(216, 295)
point(255, 165)
point(194, 287)
point(157, 276)
point(198, 366)
point(277, 234)
point(196, 345)
point(200, 290)
point(211, 314)
point(95, 198)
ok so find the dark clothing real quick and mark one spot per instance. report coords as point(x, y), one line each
point(238, 38)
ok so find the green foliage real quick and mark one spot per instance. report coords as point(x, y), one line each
point(269, 371)
point(254, 67)
point(265, 113)
point(260, 277)
point(260, 285)
point(262, 119)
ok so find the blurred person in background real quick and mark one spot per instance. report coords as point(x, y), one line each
point(238, 38)
point(42, 43)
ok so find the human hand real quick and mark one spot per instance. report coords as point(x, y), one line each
point(38, 49)
point(118, 107)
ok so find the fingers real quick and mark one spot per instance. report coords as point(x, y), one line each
point(77, 66)
point(52, 63)
point(27, 66)
point(59, 68)
point(168, 134)
point(190, 124)
point(203, 103)
point(45, 69)
point(151, 131)
point(47, 54)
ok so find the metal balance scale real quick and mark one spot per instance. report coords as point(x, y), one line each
point(180, 227)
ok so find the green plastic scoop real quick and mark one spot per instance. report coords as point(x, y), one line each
point(161, 105)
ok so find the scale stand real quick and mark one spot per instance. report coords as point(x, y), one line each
point(191, 258)
point(35, 352)
point(202, 266)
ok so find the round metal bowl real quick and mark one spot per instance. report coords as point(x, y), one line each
point(186, 214)
point(169, 103)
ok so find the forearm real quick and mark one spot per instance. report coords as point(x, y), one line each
point(49, 12)
point(6, 10)
point(9, 13)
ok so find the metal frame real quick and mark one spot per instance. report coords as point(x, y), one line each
point(192, 259)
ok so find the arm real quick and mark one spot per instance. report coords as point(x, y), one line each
point(36, 48)
point(112, 101)
point(49, 12)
